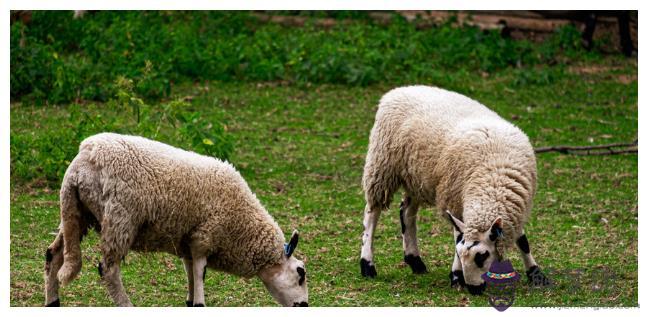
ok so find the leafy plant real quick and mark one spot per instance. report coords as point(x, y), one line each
point(56, 59)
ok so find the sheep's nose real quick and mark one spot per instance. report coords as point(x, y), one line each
point(302, 304)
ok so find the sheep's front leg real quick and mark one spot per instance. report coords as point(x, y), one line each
point(456, 275)
point(199, 268)
point(367, 265)
point(533, 272)
point(408, 211)
point(188, 265)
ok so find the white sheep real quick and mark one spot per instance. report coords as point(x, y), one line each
point(450, 151)
point(147, 196)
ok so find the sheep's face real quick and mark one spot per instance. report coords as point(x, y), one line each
point(286, 281)
point(477, 255)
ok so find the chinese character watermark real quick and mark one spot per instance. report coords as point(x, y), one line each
point(502, 281)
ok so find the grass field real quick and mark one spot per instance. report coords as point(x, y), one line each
point(301, 149)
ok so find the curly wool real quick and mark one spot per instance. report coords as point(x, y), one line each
point(448, 150)
point(179, 201)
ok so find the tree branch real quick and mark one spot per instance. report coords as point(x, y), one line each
point(602, 149)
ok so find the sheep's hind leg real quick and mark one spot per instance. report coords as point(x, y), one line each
point(408, 211)
point(199, 270)
point(188, 265)
point(116, 239)
point(456, 275)
point(367, 265)
point(53, 262)
point(533, 272)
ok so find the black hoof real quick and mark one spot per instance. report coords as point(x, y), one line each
point(536, 278)
point(302, 304)
point(199, 305)
point(457, 279)
point(56, 303)
point(189, 303)
point(476, 289)
point(416, 264)
point(367, 269)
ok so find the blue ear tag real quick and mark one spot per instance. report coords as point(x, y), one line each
point(287, 249)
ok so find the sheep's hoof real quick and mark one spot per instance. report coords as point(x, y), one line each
point(476, 289)
point(199, 305)
point(416, 264)
point(457, 279)
point(367, 270)
point(536, 277)
point(189, 303)
point(56, 303)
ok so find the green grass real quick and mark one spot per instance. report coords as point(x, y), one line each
point(302, 148)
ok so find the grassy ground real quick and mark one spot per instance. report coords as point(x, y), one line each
point(302, 149)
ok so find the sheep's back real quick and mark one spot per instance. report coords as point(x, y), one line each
point(433, 134)
point(165, 190)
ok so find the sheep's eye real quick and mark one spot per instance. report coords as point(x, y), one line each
point(302, 275)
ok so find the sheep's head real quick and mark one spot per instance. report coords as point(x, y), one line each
point(286, 281)
point(476, 254)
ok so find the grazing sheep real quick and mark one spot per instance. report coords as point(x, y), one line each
point(450, 151)
point(147, 196)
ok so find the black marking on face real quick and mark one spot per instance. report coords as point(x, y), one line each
point(56, 303)
point(457, 278)
point(459, 238)
point(415, 263)
point(199, 305)
point(189, 303)
point(366, 269)
point(480, 258)
point(48, 256)
point(302, 304)
point(100, 269)
point(474, 244)
point(302, 275)
point(523, 244)
point(476, 289)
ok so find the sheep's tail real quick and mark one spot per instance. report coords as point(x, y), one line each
point(71, 228)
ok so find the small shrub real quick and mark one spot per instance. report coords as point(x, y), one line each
point(57, 59)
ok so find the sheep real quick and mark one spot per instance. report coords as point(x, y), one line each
point(147, 196)
point(449, 151)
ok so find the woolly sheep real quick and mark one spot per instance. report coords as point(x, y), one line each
point(147, 196)
point(448, 150)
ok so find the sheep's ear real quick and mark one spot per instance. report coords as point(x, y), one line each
point(458, 224)
point(289, 247)
point(496, 229)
